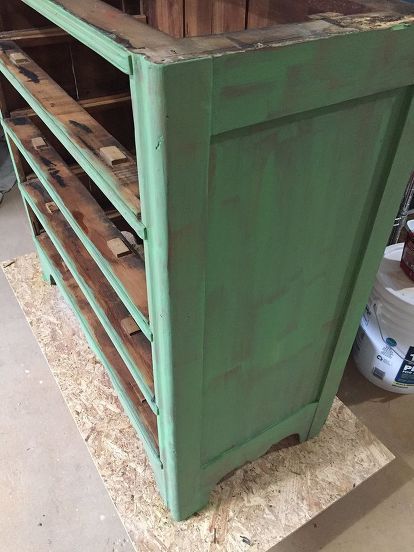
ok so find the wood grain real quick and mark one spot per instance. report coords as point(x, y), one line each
point(228, 16)
point(166, 16)
point(137, 346)
point(128, 383)
point(265, 13)
point(130, 270)
point(198, 17)
point(84, 131)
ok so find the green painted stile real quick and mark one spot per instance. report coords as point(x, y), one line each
point(269, 251)
point(173, 135)
point(269, 179)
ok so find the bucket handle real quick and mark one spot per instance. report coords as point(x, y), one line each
point(377, 311)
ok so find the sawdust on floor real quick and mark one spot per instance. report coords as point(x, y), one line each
point(253, 509)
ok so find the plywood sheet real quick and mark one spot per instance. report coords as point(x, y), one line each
point(253, 509)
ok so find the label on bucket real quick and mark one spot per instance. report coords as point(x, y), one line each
point(382, 358)
point(406, 372)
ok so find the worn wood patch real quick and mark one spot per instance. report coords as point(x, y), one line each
point(112, 155)
point(130, 326)
point(261, 503)
point(118, 247)
point(51, 207)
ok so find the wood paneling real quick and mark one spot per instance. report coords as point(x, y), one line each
point(265, 13)
point(198, 17)
point(228, 16)
point(166, 16)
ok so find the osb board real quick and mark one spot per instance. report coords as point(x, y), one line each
point(253, 509)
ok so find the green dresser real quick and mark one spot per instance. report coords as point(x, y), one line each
point(214, 208)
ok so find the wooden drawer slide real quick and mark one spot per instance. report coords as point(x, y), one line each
point(134, 349)
point(135, 405)
point(127, 273)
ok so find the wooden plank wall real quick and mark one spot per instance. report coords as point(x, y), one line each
point(264, 13)
point(196, 17)
point(204, 17)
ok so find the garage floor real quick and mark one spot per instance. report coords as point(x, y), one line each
point(52, 498)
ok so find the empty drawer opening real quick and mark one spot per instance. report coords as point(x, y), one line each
point(131, 397)
point(111, 241)
point(125, 334)
point(84, 132)
point(98, 87)
point(15, 15)
point(47, 141)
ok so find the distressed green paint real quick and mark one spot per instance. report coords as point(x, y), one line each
point(260, 262)
point(309, 76)
point(269, 180)
point(173, 144)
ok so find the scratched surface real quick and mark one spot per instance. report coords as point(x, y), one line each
point(253, 509)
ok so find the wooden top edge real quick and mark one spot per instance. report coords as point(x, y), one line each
point(274, 37)
point(122, 29)
point(158, 47)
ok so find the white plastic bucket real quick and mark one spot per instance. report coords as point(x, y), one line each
point(384, 346)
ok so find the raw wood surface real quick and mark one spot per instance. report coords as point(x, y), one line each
point(198, 17)
point(167, 16)
point(34, 36)
point(130, 33)
point(112, 155)
point(265, 13)
point(91, 105)
point(51, 207)
point(228, 16)
point(264, 501)
point(38, 143)
point(118, 247)
point(107, 20)
point(130, 326)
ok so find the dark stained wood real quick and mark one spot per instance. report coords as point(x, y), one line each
point(130, 386)
point(198, 17)
point(138, 346)
point(265, 13)
point(14, 14)
point(228, 16)
point(130, 270)
point(83, 129)
point(93, 74)
point(166, 16)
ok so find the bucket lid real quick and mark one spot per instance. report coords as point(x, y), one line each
point(392, 279)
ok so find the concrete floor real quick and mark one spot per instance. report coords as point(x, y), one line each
point(52, 498)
